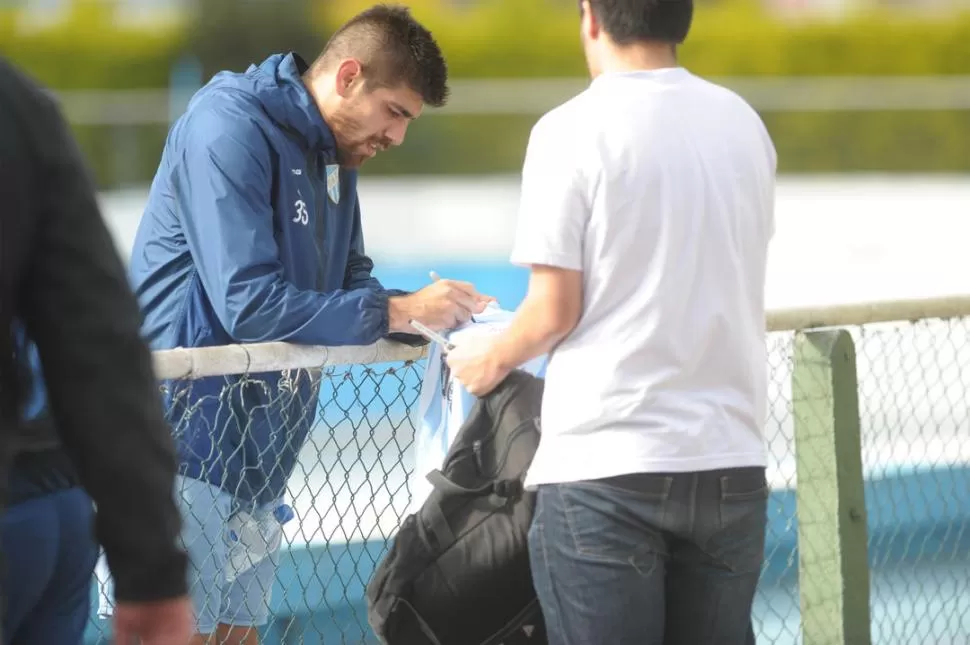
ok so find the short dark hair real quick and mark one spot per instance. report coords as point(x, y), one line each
point(631, 21)
point(393, 48)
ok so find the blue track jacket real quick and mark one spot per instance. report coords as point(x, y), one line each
point(252, 233)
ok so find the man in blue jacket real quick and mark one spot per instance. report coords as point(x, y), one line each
point(252, 233)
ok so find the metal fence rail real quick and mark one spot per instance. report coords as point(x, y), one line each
point(534, 96)
point(869, 519)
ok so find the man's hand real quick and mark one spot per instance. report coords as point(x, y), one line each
point(475, 365)
point(165, 622)
point(444, 304)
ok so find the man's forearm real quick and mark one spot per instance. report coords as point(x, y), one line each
point(535, 330)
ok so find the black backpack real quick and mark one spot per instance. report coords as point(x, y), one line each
point(458, 571)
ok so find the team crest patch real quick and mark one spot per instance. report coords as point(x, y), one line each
point(333, 182)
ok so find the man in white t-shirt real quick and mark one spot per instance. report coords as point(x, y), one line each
point(647, 208)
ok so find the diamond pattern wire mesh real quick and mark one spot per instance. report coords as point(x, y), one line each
point(350, 490)
point(775, 612)
point(914, 403)
point(914, 410)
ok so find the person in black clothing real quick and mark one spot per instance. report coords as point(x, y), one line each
point(63, 287)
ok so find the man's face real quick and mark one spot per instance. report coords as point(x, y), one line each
point(369, 119)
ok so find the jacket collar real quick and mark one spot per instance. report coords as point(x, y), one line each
point(289, 102)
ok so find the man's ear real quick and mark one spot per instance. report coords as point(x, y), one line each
point(348, 76)
point(590, 24)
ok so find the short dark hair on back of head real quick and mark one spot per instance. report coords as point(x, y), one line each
point(394, 49)
point(631, 21)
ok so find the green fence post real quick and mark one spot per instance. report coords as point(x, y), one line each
point(833, 566)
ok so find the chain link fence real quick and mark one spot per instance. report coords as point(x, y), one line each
point(914, 420)
point(914, 405)
point(348, 492)
point(352, 486)
point(776, 613)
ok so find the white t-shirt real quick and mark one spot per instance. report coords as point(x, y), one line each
point(444, 404)
point(659, 187)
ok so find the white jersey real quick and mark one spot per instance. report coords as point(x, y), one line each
point(444, 403)
point(658, 186)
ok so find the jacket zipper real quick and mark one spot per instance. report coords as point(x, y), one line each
point(320, 218)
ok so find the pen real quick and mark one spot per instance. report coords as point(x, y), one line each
point(431, 335)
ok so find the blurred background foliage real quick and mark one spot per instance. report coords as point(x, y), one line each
point(88, 47)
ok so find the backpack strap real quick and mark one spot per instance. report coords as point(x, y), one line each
point(495, 495)
point(501, 491)
point(437, 524)
point(445, 485)
point(422, 624)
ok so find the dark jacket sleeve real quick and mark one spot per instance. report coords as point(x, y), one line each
point(77, 306)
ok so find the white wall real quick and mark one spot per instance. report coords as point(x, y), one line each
point(838, 238)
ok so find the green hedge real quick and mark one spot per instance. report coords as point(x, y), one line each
point(89, 50)
point(539, 38)
point(730, 38)
point(500, 38)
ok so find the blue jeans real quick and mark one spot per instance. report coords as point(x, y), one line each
point(48, 562)
point(650, 559)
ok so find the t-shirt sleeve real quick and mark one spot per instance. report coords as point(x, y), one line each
point(553, 206)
